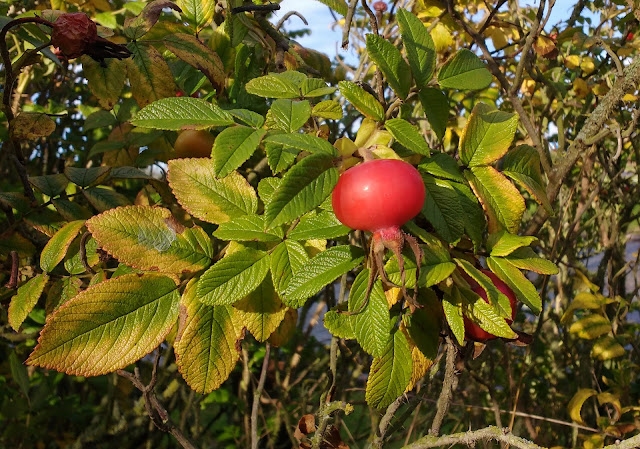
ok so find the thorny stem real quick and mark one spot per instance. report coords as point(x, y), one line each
point(256, 397)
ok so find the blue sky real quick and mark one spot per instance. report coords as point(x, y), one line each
point(327, 40)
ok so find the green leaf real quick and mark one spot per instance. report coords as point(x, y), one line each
point(465, 71)
point(339, 324)
point(502, 202)
point(207, 344)
point(390, 374)
point(521, 286)
point(273, 86)
point(522, 164)
point(442, 208)
point(149, 75)
point(136, 27)
point(452, 307)
point(189, 49)
point(527, 259)
point(103, 198)
point(436, 267)
point(407, 135)
point(496, 298)
point(106, 79)
point(339, 6)
point(262, 311)
point(287, 115)
point(442, 165)
point(474, 219)
point(71, 210)
point(233, 147)
point(181, 113)
point(280, 157)
point(248, 117)
point(320, 271)
point(372, 323)
point(484, 315)
point(424, 325)
point(304, 187)
point(504, 243)
point(390, 61)
point(60, 292)
point(108, 326)
point(315, 87)
point(149, 238)
point(233, 277)
point(248, 228)
point(487, 136)
point(73, 262)
point(328, 109)
point(304, 142)
point(436, 107)
point(23, 302)
point(197, 12)
point(267, 187)
point(418, 45)
point(197, 189)
point(607, 348)
point(84, 177)
point(56, 248)
point(591, 326)
point(286, 260)
point(324, 225)
point(99, 119)
point(362, 100)
point(19, 373)
point(583, 300)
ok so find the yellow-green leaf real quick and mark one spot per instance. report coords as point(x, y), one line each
point(207, 345)
point(591, 326)
point(106, 79)
point(25, 299)
point(362, 100)
point(149, 238)
point(606, 348)
point(206, 197)
point(262, 311)
point(108, 326)
point(149, 75)
point(196, 54)
point(56, 248)
point(32, 125)
point(583, 300)
point(390, 374)
point(576, 402)
point(136, 27)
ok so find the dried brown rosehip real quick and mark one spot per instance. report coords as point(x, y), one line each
point(73, 34)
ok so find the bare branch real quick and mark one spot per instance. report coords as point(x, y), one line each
point(256, 398)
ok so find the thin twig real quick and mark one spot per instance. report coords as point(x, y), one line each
point(15, 264)
point(256, 8)
point(347, 23)
point(256, 398)
point(289, 14)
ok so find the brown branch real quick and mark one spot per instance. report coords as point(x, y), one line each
point(287, 16)
point(270, 7)
point(256, 398)
point(347, 23)
point(448, 387)
point(158, 414)
point(470, 438)
point(15, 264)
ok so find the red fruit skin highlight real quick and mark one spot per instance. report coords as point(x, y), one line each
point(73, 34)
point(471, 330)
point(379, 194)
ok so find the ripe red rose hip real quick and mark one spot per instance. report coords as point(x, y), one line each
point(471, 330)
point(378, 195)
point(73, 34)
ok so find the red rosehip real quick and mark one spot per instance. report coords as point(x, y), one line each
point(73, 34)
point(380, 6)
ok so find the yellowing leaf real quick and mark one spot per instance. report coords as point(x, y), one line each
point(583, 300)
point(591, 327)
point(262, 311)
point(587, 66)
point(150, 238)
point(207, 344)
point(56, 248)
point(581, 88)
point(286, 329)
point(32, 125)
point(25, 299)
point(108, 326)
point(195, 53)
point(149, 75)
point(576, 402)
point(442, 37)
point(572, 61)
point(607, 348)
